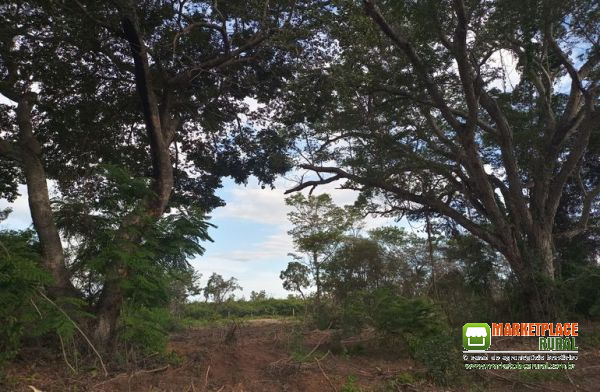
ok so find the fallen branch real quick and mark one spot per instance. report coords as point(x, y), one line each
point(206, 378)
point(143, 371)
point(64, 353)
point(89, 342)
point(317, 346)
point(325, 375)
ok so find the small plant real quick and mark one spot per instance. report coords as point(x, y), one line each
point(351, 384)
point(401, 381)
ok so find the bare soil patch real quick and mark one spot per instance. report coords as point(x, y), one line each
point(258, 358)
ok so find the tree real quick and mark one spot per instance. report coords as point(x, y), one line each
point(155, 89)
point(217, 289)
point(420, 114)
point(318, 227)
point(258, 295)
point(358, 264)
point(407, 258)
point(295, 277)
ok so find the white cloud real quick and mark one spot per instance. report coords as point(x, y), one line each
point(252, 203)
point(268, 206)
point(275, 246)
point(20, 218)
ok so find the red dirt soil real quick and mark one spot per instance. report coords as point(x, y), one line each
point(257, 358)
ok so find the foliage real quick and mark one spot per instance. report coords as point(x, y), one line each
point(580, 294)
point(419, 112)
point(351, 384)
point(439, 354)
point(260, 308)
point(420, 324)
point(146, 330)
point(26, 312)
point(318, 226)
point(161, 95)
point(258, 295)
point(397, 315)
point(295, 277)
point(217, 289)
point(155, 257)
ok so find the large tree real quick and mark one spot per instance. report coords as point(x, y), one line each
point(155, 91)
point(420, 110)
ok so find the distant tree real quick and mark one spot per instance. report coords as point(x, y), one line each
point(407, 259)
point(218, 289)
point(318, 227)
point(258, 295)
point(388, 257)
point(183, 285)
point(358, 264)
point(296, 277)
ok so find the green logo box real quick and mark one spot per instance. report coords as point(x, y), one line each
point(477, 336)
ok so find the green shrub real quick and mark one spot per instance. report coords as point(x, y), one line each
point(438, 352)
point(355, 312)
point(146, 329)
point(423, 328)
point(580, 293)
point(326, 315)
point(351, 384)
point(210, 311)
point(26, 312)
point(393, 314)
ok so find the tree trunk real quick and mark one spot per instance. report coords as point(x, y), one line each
point(160, 130)
point(534, 269)
point(317, 278)
point(39, 202)
point(108, 313)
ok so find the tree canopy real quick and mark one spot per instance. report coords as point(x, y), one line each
point(419, 111)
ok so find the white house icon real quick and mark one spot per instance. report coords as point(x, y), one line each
point(479, 332)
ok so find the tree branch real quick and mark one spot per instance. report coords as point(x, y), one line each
point(425, 200)
point(420, 67)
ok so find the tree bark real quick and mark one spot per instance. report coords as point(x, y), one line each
point(317, 278)
point(160, 130)
point(39, 201)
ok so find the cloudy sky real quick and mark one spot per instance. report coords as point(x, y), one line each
point(250, 240)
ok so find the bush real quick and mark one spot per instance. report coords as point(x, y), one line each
point(26, 312)
point(424, 330)
point(393, 314)
point(210, 311)
point(580, 293)
point(147, 329)
point(438, 352)
point(326, 315)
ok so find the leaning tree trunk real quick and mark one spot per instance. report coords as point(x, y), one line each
point(39, 202)
point(160, 129)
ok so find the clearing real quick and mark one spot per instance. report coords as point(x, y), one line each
point(267, 355)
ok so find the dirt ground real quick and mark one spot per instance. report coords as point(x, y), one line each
point(259, 355)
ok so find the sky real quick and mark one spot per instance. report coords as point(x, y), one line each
point(250, 241)
point(250, 238)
